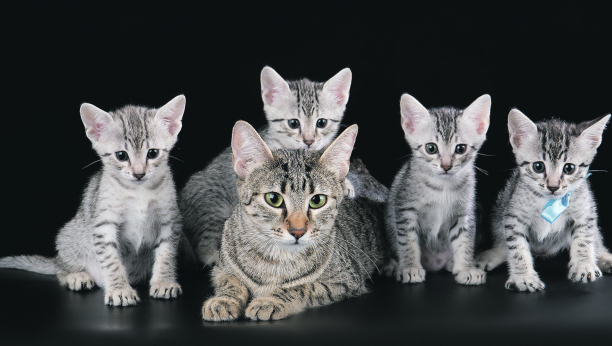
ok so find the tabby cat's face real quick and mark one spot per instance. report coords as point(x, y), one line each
point(554, 156)
point(133, 142)
point(304, 114)
point(445, 139)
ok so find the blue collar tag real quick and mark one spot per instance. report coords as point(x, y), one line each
point(555, 207)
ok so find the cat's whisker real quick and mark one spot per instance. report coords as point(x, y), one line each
point(92, 163)
point(211, 257)
point(353, 257)
point(368, 257)
point(481, 154)
point(176, 158)
point(403, 157)
point(482, 170)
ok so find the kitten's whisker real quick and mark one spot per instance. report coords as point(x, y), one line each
point(92, 163)
point(211, 257)
point(176, 158)
point(482, 170)
point(402, 157)
point(484, 154)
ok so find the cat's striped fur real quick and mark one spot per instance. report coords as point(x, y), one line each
point(519, 230)
point(276, 262)
point(305, 101)
point(430, 214)
point(127, 227)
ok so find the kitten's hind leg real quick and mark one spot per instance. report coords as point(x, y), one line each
point(604, 261)
point(76, 281)
point(490, 259)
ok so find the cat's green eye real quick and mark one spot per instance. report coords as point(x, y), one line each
point(317, 201)
point(538, 167)
point(274, 199)
point(569, 168)
point(460, 148)
point(122, 156)
point(293, 123)
point(431, 148)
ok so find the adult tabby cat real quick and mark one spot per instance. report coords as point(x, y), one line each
point(128, 225)
point(553, 159)
point(301, 115)
point(293, 241)
point(430, 214)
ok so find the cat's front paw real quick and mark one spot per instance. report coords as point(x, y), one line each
point(604, 262)
point(411, 275)
point(584, 273)
point(76, 281)
point(490, 259)
point(471, 276)
point(529, 282)
point(165, 290)
point(389, 268)
point(218, 309)
point(121, 297)
point(265, 309)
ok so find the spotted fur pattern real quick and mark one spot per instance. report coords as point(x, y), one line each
point(519, 231)
point(430, 214)
point(127, 227)
point(265, 271)
point(304, 101)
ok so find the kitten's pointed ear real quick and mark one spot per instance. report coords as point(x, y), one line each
point(337, 156)
point(591, 136)
point(96, 121)
point(337, 87)
point(171, 114)
point(273, 86)
point(413, 114)
point(478, 114)
point(521, 129)
point(249, 150)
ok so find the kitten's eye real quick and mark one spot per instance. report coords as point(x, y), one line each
point(317, 201)
point(122, 156)
point(274, 199)
point(153, 153)
point(321, 123)
point(538, 167)
point(431, 148)
point(460, 148)
point(569, 168)
point(293, 123)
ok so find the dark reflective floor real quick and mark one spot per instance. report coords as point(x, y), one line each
point(37, 310)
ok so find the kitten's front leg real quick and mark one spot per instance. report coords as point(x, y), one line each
point(410, 269)
point(284, 302)
point(583, 262)
point(229, 300)
point(117, 290)
point(520, 263)
point(462, 244)
point(163, 281)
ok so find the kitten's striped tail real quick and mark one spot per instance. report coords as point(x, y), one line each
point(37, 264)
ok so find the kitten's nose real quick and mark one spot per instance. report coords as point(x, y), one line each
point(139, 175)
point(553, 188)
point(446, 168)
point(309, 142)
point(297, 233)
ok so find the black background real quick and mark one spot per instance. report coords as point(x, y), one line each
point(548, 59)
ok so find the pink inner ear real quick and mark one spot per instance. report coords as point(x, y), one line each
point(269, 96)
point(408, 126)
point(481, 128)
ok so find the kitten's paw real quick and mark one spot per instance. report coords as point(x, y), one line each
point(76, 281)
point(471, 276)
point(584, 273)
point(604, 262)
point(267, 308)
point(529, 282)
point(389, 268)
point(165, 290)
point(411, 275)
point(218, 309)
point(490, 259)
point(121, 297)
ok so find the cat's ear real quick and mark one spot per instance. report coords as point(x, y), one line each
point(413, 114)
point(249, 150)
point(171, 114)
point(591, 136)
point(96, 121)
point(337, 156)
point(521, 129)
point(477, 115)
point(273, 86)
point(337, 87)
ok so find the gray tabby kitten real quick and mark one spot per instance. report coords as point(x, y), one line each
point(430, 214)
point(128, 225)
point(301, 115)
point(553, 158)
point(293, 241)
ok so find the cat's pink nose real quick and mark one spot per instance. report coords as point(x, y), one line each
point(308, 142)
point(553, 188)
point(139, 175)
point(446, 168)
point(297, 233)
